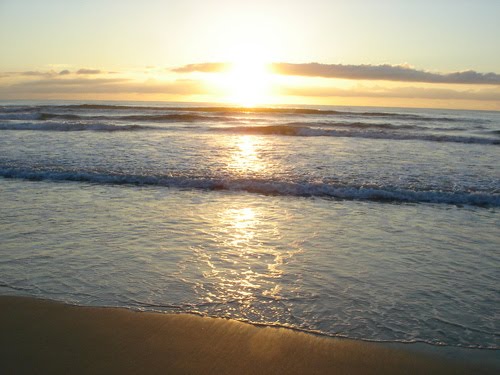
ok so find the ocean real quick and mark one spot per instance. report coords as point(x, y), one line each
point(376, 224)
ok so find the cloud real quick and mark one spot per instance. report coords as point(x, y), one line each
point(50, 83)
point(203, 67)
point(398, 92)
point(50, 73)
point(29, 73)
point(386, 72)
point(58, 82)
point(102, 85)
point(88, 71)
point(35, 73)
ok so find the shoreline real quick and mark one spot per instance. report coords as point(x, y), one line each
point(42, 336)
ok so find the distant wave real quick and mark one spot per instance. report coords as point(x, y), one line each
point(272, 110)
point(170, 117)
point(195, 117)
point(225, 110)
point(177, 117)
point(74, 127)
point(353, 125)
point(286, 110)
point(353, 130)
point(265, 187)
point(370, 125)
point(17, 108)
point(304, 131)
point(21, 115)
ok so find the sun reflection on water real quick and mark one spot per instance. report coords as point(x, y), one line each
point(243, 262)
point(247, 155)
point(240, 265)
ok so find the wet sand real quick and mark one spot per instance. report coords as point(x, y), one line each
point(44, 337)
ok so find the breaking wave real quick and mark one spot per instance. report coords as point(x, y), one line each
point(266, 187)
point(304, 131)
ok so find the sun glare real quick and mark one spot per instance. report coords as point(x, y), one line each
point(248, 81)
point(246, 157)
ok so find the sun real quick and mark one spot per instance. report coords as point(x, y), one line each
point(248, 80)
point(248, 83)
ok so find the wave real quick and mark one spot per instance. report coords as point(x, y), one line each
point(304, 131)
point(178, 117)
point(225, 110)
point(369, 125)
point(17, 108)
point(75, 127)
point(265, 187)
point(355, 125)
point(171, 117)
point(21, 115)
point(284, 110)
point(273, 110)
point(190, 117)
point(355, 130)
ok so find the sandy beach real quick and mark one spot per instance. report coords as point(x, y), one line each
point(40, 336)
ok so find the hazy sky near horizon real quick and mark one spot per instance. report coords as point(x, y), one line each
point(133, 45)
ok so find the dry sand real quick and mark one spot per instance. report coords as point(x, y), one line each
point(43, 337)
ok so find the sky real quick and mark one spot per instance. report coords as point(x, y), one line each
point(409, 53)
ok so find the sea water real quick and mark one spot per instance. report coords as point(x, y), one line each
point(369, 223)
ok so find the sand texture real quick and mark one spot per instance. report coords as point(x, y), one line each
point(43, 337)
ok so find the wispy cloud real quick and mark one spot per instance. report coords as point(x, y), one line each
point(210, 67)
point(398, 92)
point(54, 83)
point(58, 85)
point(385, 72)
point(51, 73)
point(32, 73)
point(29, 74)
point(88, 71)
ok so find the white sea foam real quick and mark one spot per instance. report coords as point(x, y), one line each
point(267, 187)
